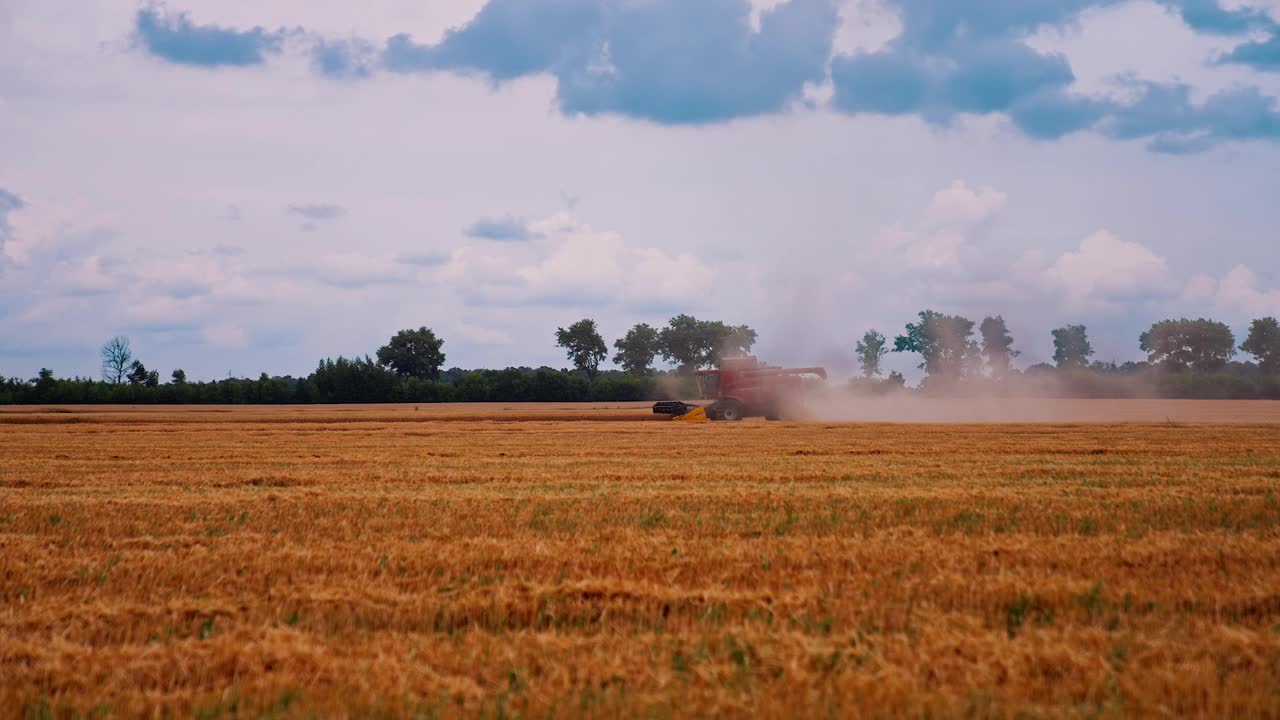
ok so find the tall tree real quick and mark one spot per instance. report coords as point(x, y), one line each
point(583, 345)
point(637, 349)
point(44, 383)
point(179, 377)
point(691, 343)
point(944, 343)
point(1201, 345)
point(683, 342)
point(137, 373)
point(413, 353)
point(1264, 343)
point(997, 346)
point(1071, 348)
point(871, 350)
point(116, 356)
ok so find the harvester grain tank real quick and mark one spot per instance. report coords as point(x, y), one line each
point(743, 387)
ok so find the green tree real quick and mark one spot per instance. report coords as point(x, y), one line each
point(1071, 348)
point(637, 349)
point(871, 350)
point(413, 353)
point(1264, 343)
point(583, 345)
point(137, 373)
point(943, 341)
point(116, 356)
point(353, 380)
point(997, 346)
point(44, 383)
point(179, 377)
point(691, 343)
point(1201, 345)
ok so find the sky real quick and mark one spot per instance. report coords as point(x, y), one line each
point(242, 187)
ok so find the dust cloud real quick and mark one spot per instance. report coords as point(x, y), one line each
point(837, 404)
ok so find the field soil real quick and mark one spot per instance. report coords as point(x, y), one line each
point(502, 561)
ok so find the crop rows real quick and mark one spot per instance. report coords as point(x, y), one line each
point(347, 564)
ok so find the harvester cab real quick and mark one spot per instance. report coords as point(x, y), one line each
point(744, 387)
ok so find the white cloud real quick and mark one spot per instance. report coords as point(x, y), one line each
point(1239, 291)
point(1105, 267)
point(1199, 288)
point(1101, 48)
point(570, 263)
point(955, 216)
point(1271, 7)
point(865, 26)
point(958, 206)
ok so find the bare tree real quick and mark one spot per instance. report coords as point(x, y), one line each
point(116, 357)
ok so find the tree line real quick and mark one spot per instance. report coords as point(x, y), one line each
point(1185, 358)
point(410, 368)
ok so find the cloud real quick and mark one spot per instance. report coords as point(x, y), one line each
point(355, 270)
point(343, 59)
point(954, 215)
point(667, 61)
point(8, 203)
point(977, 77)
point(1209, 16)
point(1051, 114)
point(1165, 113)
point(955, 58)
point(959, 205)
point(507, 39)
point(971, 58)
point(954, 254)
point(318, 211)
point(692, 63)
point(423, 259)
point(1106, 267)
point(571, 264)
point(1199, 288)
point(1239, 291)
point(508, 229)
point(87, 276)
point(1261, 55)
point(175, 38)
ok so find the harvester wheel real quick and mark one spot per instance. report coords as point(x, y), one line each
point(730, 410)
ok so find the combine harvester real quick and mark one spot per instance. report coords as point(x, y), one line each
point(743, 387)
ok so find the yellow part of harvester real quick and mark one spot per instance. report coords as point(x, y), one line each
point(694, 415)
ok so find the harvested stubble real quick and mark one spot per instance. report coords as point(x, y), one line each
point(262, 566)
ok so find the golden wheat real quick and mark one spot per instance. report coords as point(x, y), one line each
point(352, 561)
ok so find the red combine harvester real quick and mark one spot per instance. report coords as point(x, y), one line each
point(743, 387)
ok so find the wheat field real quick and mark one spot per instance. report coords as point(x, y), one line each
point(463, 561)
